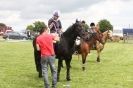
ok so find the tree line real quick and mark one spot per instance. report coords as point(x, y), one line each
point(104, 25)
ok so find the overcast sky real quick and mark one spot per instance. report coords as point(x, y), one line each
point(20, 13)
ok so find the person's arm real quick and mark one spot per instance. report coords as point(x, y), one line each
point(55, 37)
point(37, 47)
point(50, 24)
point(60, 26)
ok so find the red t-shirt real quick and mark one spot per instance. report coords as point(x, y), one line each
point(45, 42)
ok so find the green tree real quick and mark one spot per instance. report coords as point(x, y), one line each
point(36, 26)
point(105, 25)
point(30, 27)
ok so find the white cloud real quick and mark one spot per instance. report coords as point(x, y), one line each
point(118, 12)
point(10, 17)
point(20, 13)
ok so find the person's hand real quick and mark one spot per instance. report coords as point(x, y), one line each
point(51, 25)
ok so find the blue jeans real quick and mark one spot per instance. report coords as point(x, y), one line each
point(45, 60)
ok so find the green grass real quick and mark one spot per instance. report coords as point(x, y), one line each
point(17, 68)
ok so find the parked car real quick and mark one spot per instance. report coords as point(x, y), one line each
point(14, 35)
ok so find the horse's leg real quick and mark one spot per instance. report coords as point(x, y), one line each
point(62, 64)
point(98, 55)
point(99, 49)
point(68, 60)
point(59, 69)
point(83, 60)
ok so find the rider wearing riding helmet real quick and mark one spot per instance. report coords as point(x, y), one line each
point(92, 27)
point(54, 23)
point(85, 26)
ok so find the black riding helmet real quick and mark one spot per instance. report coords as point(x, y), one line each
point(92, 24)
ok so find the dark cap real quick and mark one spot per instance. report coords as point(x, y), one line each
point(92, 24)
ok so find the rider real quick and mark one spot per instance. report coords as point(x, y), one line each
point(54, 24)
point(85, 26)
point(92, 27)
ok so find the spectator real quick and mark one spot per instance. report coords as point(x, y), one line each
point(44, 43)
point(28, 34)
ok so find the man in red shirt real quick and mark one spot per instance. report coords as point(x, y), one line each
point(44, 43)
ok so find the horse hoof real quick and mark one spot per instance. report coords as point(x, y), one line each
point(40, 75)
point(98, 60)
point(68, 79)
point(83, 68)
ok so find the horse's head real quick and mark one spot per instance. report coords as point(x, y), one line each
point(108, 34)
point(78, 30)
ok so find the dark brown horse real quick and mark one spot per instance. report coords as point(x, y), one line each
point(86, 46)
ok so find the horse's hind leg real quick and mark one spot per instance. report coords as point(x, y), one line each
point(83, 61)
point(68, 60)
point(59, 69)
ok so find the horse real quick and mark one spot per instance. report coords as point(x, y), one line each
point(86, 46)
point(64, 48)
point(99, 47)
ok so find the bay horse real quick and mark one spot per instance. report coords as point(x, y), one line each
point(86, 46)
point(64, 48)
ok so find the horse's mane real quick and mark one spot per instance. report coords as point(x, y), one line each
point(68, 30)
point(67, 40)
point(105, 32)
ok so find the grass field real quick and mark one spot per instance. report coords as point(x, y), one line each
point(17, 68)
